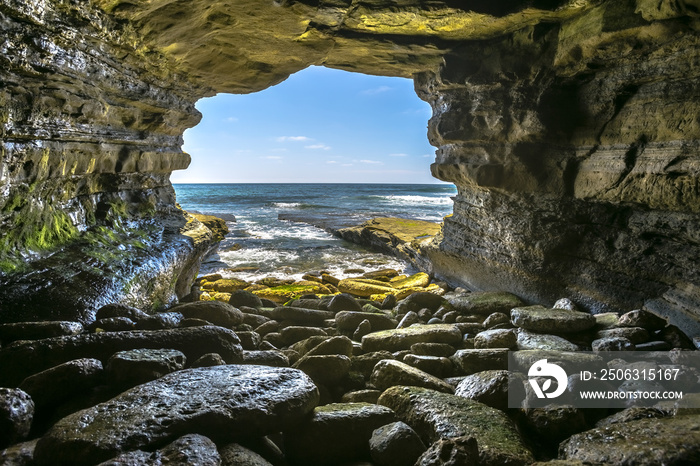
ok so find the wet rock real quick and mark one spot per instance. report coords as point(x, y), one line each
point(241, 298)
point(631, 414)
point(326, 369)
point(249, 340)
point(420, 300)
point(219, 402)
point(62, 382)
point(304, 346)
point(433, 349)
point(566, 304)
point(160, 321)
point(270, 358)
point(336, 434)
point(395, 444)
point(27, 358)
point(271, 326)
point(556, 321)
point(343, 302)
point(254, 320)
point(409, 319)
point(538, 341)
point(20, 454)
point(644, 442)
point(209, 359)
point(572, 362)
point(653, 346)
point(435, 415)
point(496, 318)
point(500, 338)
point(112, 324)
point(361, 396)
point(335, 345)
point(470, 361)
point(487, 387)
point(606, 320)
point(400, 339)
point(363, 328)
point(120, 310)
point(216, 312)
point(550, 425)
point(612, 344)
point(16, 414)
point(390, 373)
point(37, 330)
point(225, 285)
point(440, 367)
point(364, 363)
point(349, 320)
point(234, 454)
point(189, 449)
point(458, 451)
point(300, 316)
point(133, 367)
point(633, 334)
point(484, 302)
point(293, 334)
point(643, 319)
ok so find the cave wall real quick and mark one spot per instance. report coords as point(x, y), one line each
point(569, 127)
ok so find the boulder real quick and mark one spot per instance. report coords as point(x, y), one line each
point(343, 302)
point(294, 333)
point(390, 373)
point(364, 288)
point(487, 387)
point(470, 361)
point(541, 341)
point(120, 310)
point(400, 339)
point(16, 415)
point(189, 449)
point(361, 396)
point(438, 366)
point(420, 300)
point(436, 415)
point(216, 312)
point(334, 345)
point(234, 454)
point(497, 318)
point(27, 358)
point(364, 363)
point(349, 320)
point(221, 402)
point(409, 319)
point(612, 344)
point(484, 302)
point(37, 330)
point(112, 324)
point(642, 318)
point(160, 321)
point(63, 382)
point(134, 367)
point(496, 338)
point(644, 442)
point(210, 359)
point(326, 369)
point(418, 280)
point(395, 444)
point(300, 316)
point(542, 320)
point(225, 285)
point(240, 298)
point(271, 358)
point(336, 434)
point(458, 451)
point(433, 349)
point(282, 294)
point(19, 454)
point(634, 334)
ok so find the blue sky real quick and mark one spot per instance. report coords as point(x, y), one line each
point(319, 126)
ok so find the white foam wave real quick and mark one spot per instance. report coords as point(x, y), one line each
point(412, 199)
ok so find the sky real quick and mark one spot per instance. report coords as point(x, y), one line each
point(319, 126)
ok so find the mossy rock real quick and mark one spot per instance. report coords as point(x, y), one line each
point(215, 224)
point(285, 293)
point(420, 280)
point(225, 285)
point(364, 288)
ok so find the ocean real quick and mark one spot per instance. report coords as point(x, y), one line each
point(277, 229)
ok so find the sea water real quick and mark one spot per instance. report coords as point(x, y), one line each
point(278, 229)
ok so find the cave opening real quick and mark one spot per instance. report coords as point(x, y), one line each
point(323, 150)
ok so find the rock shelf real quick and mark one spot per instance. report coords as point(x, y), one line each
point(325, 379)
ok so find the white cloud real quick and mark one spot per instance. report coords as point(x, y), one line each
point(232, 119)
point(272, 157)
point(376, 90)
point(318, 146)
point(331, 161)
point(398, 155)
point(280, 149)
point(346, 165)
point(293, 138)
point(429, 155)
point(374, 162)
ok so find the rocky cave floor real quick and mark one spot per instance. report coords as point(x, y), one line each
point(393, 371)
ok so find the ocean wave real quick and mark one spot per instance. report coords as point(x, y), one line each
point(295, 205)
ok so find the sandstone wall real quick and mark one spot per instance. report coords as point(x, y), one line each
point(570, 128)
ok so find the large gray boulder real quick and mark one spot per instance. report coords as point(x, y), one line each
point(16, 415)
point(26, 358)
point(221, 402)
point(436, 415)
point(403, 338)
point(63, 382)
point(542, 320)
point(335, 434)
point(644, 442)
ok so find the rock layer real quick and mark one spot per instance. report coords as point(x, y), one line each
point(569, 128)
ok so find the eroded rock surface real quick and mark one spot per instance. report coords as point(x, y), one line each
point(216, 401)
